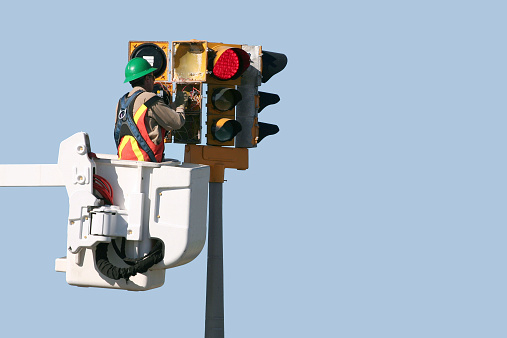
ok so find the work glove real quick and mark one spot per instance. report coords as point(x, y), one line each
point(182, 99)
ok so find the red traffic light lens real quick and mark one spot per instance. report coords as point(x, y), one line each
point(230, 64)
point(227, 65)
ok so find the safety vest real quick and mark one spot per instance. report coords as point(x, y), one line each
point(130, 134)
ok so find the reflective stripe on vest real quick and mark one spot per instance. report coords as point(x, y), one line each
point(129, 147)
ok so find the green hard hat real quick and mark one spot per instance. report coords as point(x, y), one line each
point(136, 68)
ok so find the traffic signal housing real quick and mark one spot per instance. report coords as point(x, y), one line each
point(264, 65)
point(155, 52)
point(188, 72)
point(221, 124)
point(190, 133)
point(226, 63)
point(220, 66)
point(189, 61)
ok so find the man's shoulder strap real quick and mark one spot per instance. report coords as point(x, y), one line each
point(125, 101)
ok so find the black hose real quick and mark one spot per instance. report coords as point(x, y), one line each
point(140, 265)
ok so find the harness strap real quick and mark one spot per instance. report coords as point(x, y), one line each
point(125, 117)
point(121, 114)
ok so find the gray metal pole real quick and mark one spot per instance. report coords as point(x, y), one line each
point(214, 325)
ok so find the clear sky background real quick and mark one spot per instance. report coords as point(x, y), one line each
point(378, 210)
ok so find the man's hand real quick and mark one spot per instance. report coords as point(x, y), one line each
point(182, 99)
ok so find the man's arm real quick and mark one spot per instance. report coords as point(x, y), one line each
point(167, 117)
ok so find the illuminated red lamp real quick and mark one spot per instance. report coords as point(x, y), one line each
point(230, 63)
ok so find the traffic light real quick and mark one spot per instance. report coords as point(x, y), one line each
point(264, 65)
point(221, 124)
point(155, 52)
point(226, 62)
point(226, 65)
point(221, 67)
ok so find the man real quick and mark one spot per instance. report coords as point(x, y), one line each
point(142, 117)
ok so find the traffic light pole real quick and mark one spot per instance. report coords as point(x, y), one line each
point(214, 325)
point(218, 158)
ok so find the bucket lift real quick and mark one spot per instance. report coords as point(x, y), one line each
point(155, 221)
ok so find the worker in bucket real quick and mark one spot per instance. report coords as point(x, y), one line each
point(143, 118)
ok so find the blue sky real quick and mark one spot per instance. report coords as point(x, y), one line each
point(376, 211)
